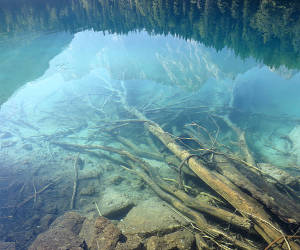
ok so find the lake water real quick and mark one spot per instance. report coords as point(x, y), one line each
point(207, 72)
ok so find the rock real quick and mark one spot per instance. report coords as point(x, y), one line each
point(7, 144)
point(27, 147)
point(5, 135)
point(71, 221)
point(116, 180)
point(114, 204)
point(45, 221)
point(130, 242)
point(100, 234)
point(180, 240)
point(294, 137)
point(7, 245)
point(151, 217)
point(88, 191)
point(62, 234)
point(280, 175)
point(87, 174)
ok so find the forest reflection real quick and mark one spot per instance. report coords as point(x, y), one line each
point(266, 30)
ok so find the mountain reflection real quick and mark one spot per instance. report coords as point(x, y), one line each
point(266, 30)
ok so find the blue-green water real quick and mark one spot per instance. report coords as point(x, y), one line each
point(189, 66)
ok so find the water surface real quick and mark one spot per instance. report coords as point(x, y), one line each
point(184, 64)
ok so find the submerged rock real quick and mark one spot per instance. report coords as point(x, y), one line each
point(27, 147)
point(150, 225)
point(7, 245)
point(5, 135)
point(45, 221)
point(151, 217)
point(114, 204)
point(62, 234)
point(131, 242)
point(100, 234)
point(280, 175)
point(87, 191)
point(180, 240)
point(294, 136)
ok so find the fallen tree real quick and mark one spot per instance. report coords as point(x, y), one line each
point(257, 202)
point(246, 205)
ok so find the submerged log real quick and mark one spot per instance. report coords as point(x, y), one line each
point(245, 204)
point(285, 208)
point(75, 184)
point(141, 168)
point(201, 206)
point(137, 151)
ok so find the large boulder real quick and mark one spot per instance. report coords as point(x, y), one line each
point(7, 245)
point(180, 240)
point(151, 217)
point(294, 138)
point(114, 204)
point(100, 233)
point(62, 234)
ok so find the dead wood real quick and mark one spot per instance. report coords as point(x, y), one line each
point(137, 151)
point(199, 220)
point(241, 140)
point(75, 184)
point(29, 198)
point(267, 193)
point(141, 168)
point(204, 207)
point(230, 192)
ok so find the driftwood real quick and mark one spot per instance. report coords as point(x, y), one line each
point(225, 178)
point(188, 201)
point(201, 206)
point(137, 151)
point(200, 221)
point(245, 204)
point(29, 198)
point(75, 184)
point(241, 140)
point(282, 206)
point(141, 168)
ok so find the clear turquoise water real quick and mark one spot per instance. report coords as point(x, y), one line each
point(59, 62)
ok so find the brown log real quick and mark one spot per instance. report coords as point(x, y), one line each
point(200, 221)
point(241, 140)
point(204, 207)
point(267, 193)
point(75, 184)
point(137, 151)
point(231, 193)
point(196, 217)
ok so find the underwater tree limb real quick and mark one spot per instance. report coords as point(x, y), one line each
point(34, 195)
point(279, 204)
point(267, 193)
point(198, 219)
point(82, 149)
point(204, 207)
point(280, 239)
point(241, 139)
point(220, 184)
point(185, 160)
point(196, 204)
point(75, 181)
point(200, 242)
point(137, 151)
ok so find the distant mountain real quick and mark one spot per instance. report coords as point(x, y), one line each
point(267, 30)
point(163, 59)
point(26, 57)
point(284, 72)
